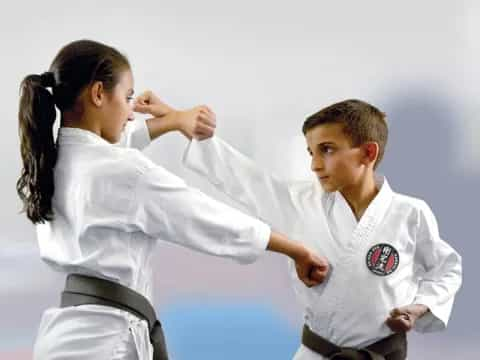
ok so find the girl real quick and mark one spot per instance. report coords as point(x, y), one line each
point(99, 209)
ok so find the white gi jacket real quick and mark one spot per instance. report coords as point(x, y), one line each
point(351, 306)
point(111, 206)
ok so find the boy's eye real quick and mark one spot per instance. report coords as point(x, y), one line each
point(326, 149)
point(129, 98)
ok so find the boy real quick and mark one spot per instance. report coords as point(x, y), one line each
point(390, 270)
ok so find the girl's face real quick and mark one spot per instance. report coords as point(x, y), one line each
point(118, 108)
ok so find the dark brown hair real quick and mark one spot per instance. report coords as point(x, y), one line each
point(361, 122)
point(75, 67)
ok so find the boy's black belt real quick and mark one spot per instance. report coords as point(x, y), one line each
point(393, 347)
point(83, 290)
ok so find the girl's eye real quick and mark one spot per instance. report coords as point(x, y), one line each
point(129, 98)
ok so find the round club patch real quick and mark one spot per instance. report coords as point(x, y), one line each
point(382, 259)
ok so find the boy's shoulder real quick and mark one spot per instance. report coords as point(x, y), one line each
point(408, 200)
point(412, 203)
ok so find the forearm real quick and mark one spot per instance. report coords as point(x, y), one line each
point(281, 244)
point(158, 126)
point(311, 269)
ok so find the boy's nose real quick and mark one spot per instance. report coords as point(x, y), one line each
point(131, 116)
point(316, 164)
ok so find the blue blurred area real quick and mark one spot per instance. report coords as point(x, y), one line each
point(227, 330)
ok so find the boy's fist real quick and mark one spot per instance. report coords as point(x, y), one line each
point(403, 319)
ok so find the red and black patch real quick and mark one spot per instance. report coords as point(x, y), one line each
point(382, 259)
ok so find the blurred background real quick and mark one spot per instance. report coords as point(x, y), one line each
point(263, 66)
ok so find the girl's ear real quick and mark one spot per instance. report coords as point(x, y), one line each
point(97, 93)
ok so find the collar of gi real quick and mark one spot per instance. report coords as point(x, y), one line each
point(71, 135)
point(376, 208)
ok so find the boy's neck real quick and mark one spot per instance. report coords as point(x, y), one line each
point(360, 195)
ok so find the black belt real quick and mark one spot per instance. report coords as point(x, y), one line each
point(393, 347)
point(83, 290)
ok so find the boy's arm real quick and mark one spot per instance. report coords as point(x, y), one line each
point(440, 269)
point(138, 134)
point(263, 195)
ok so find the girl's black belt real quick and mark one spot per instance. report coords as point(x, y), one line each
point(88, 290)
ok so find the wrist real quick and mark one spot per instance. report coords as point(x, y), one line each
point(181, 124)
point(298, 251)
point(419, 310)
point(281, 244)
point(175, 120)
point(170, 121)
point(158, 126)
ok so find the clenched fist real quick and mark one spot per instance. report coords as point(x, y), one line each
point(312, 269)
point(198, 122)
point(403, 319)
point(149, 103)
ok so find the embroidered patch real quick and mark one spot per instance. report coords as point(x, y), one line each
point(382, 259)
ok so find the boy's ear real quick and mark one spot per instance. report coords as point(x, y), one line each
point(97, 93)
point(370, 152)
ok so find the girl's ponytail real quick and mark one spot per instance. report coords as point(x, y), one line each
point(37, 146)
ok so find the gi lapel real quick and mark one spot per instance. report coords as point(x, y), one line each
point(374, 214)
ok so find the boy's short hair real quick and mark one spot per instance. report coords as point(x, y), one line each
point(362, 123)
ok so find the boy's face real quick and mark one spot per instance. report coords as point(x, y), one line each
point(336, 163)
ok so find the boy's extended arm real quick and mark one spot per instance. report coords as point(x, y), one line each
point(260, 193)
point(263, 195)
point(440, 271)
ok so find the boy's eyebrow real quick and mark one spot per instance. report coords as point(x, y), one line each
point(326, 143)
point(131, 92)
point(322, 144)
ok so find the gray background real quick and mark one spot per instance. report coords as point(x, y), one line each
point(263, 66)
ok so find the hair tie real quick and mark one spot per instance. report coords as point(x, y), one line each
point(47, 79)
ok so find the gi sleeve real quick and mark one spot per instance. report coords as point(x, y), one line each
point(135, 135)
point(261, 194)
point(167, 209)
point(440, 270)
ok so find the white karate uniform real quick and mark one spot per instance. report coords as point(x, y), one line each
point(351, 306)
point(111, 206)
